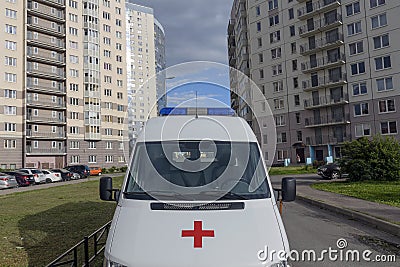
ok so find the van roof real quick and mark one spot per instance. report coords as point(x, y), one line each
point(220, 128)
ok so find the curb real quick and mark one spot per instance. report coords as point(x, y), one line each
point(380, 224)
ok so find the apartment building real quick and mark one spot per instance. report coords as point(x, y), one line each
point(329, 70)
point(68, 97)
point(161, 64)
point(145, 38)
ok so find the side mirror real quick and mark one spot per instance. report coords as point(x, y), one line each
point(288, 189)
point(106, 188)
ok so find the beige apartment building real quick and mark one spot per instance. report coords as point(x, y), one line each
point(329, 70)
point(64, 88)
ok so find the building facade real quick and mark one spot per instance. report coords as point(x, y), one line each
point(67, 93)
point(161, 64)
point(145, 41)
point(329, 70)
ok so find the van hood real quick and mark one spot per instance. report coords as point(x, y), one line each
point(142, 236)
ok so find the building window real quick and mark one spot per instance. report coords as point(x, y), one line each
point(389, 127)
point(275, 37)
point(10, 144)
point(379, 21)
point(261, 72)
point(298, 121)
point(272, 4)
point(278, 86)
point(354, 28)
point(291, 13)
point(75, 159)
point(360, 89)
point(10, 77)
point(92, 159)
point(299, 136)
point(296, 100)
point(292, 30)
point(281, 138)
point(279, 103)
point(363, 130)
point(386, 106)
point(109, 145)
point(259, 41)
point(74, 145)
point(280, 120)
point(258, 26)
point(10, 93)
point(381, 41)
point(277, 69)
point(109, 159)
point(295, 82)
point(11, 29)
point(74, 87)
point(281, 155)
point(353, 8)
point(10, 45)
point(361, 109)
point(375, 3)
point(384, 84)
point(294, 48)
point(276, 53)
point(356, 48)
point(274, 20)
point(358, 68)
point(383, 63)
point(10, 127)
point(258, 11)
point(294, 65)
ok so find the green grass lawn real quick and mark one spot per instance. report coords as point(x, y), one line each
point(39, 225)
point(380, 192)
point(291, 170)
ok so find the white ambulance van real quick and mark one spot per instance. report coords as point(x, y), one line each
point(196, 194)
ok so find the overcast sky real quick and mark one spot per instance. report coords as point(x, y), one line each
point(195, 29)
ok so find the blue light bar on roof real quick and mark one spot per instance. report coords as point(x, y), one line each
point(199, 111)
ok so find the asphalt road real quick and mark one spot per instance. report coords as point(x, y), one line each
point(311, 228)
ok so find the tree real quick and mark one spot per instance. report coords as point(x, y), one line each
point(377, 159)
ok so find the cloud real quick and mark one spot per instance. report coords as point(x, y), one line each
point(195, 29)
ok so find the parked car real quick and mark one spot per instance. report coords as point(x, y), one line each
point(66, 175)
point(51, 176)
point(82, 170)
point(23, 179)
point(330, 171)
point(95, 171)
point(7, 181)
point(37, 174)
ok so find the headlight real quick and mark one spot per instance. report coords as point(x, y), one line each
point(280, 264)
point(108, 263)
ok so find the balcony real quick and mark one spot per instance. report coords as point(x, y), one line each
point(59, 90)
point(320, 25)
point(46, 72)
point(326, 140)
point(45, 56)
point(45, 120)
point(325, 101)
point(45, 41)
point(46, 104)
point(92, 136)
point(45, 151)
point(44, 135)
point(323, 63)
point(323, 82)
point(46, 27)
point(93, 94)
point(317, 7)
point(93, 122)
point(321, 44)
point(54, 3)
point(46, 12)
point(92, 108)
point(324, 121)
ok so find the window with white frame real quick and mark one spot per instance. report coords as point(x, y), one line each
point(379, 21)
point(361, 109)
point(10, 45)
point(92, 159)
point(280, 120)
point(10, 77)
point(275, 37)
point(74, 145)
point(75, 159)
point(10, 110)
point(279, 103)
point(274, 20)
point(363, 130)
point(360, 89)
point(381, 41)
point(386, 106)
point(375, 3)
point(389, 127)
point(272, 4)
point(383, 63)
point(354, 28)
point(281, 155)
point(384, 84)
point(357, 68)
point(353, 8)
point(10, 127)
point(109, 145)
point(277, 69)
point(278, 86)
point(74, 130)
point(356, 48)
point(10, 61)
point(109, 159)
point(281, 138)
point(276, 53)
point(92, 145)
point(8, 93)
point(11, 29)
point(10, 144)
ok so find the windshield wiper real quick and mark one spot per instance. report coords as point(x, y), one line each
point(225, 195)
point(154, 194)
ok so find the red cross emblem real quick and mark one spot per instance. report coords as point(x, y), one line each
point(198, 233)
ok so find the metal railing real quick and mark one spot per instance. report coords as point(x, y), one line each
point(45, 151)
point(323, 62)
point(326, 139)
point(30, 133)
point(92, 245)
point(48, 103)
point(325, 101)
point(321, 44)
point(48, 119)
point(317, 7)
point(326, 81)
point(327, 120)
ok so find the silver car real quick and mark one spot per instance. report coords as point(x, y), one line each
point(7, 181)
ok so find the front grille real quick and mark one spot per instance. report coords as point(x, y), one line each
point(197, 206)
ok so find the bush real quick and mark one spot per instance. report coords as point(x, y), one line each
point(317, 163)
point(377, 159)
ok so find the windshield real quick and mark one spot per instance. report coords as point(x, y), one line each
point(193, 170)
